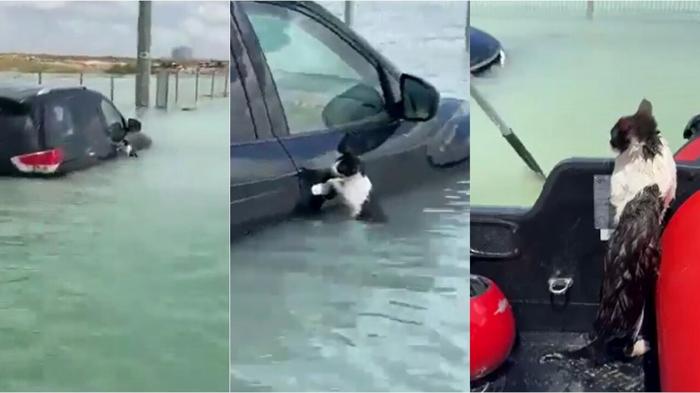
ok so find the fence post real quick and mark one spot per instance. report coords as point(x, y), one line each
point(348, 12)
point(213, 79)
point(196, 86)
point(589, 9)
point(226, 76)
point(177, 84)
point(81, 78)
point(111, 87)
point(162, 81)
point(39, 74)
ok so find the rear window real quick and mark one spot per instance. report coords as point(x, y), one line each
point(15, 120)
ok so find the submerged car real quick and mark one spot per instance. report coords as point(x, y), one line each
point(53, 131)
point(304, 87)
point(548, 261)
point(484, 51)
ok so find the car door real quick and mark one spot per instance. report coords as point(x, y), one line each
point(90, 124)
point(65, 122)
point(334, 94)
point(115, 126)
point(264, 184)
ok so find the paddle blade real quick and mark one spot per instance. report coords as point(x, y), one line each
point(522, 151)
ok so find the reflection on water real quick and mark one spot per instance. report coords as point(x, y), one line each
point(336, 304)
point(567, 80)
point(115, 278)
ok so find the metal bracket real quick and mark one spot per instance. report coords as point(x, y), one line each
point(559, 286)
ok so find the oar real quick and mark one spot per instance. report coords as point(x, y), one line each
point(506, 131)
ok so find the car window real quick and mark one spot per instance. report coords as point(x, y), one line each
point(14, 119)
point(111, 114)
point(89, 121)
point(241, 127)
point(59, 125)
point(322, 81)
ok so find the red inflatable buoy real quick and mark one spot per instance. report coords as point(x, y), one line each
point(677, 299)
point(491, 327)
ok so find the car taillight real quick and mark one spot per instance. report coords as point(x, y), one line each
point(45, 162)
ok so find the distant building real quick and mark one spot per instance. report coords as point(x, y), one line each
point(182, 53)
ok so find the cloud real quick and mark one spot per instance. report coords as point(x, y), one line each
point(214, 12)
point(109, 27)
point(40, 5)
point(195, 27)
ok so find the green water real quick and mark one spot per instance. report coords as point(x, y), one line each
point(567, 80)
point(116, 278)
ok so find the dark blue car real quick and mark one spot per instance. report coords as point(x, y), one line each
point(304, 86)
point(485, 50)
point(53, 131)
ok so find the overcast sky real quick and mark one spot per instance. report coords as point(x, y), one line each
point(109, 27)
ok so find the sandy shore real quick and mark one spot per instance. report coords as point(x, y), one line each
point(23, 62)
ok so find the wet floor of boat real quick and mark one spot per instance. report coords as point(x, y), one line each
point(529, 369)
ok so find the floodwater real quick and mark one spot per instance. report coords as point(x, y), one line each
point(332, 304)
point(567, 80)
point(115, 278)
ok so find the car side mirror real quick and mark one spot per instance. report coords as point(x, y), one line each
point(419, 99)
point(133, 125)
point(117, 132)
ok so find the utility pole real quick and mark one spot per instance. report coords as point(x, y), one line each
point(143, 59)
point(467, 28)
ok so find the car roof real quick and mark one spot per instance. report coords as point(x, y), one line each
point(21, 92)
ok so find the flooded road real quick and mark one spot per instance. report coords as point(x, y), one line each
point(568, 79)
point(115, 278)
point(333, 304)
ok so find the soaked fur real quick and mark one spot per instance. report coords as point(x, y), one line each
point(644, 158)
point(630, 267)
point(643, 185)
point(353, 187)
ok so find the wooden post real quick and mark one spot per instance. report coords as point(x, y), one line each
point(81, 78)
point(111, 87)
point(213, 79)
point(177, 84)
point(39, 74)
point(196, 86)
point(162, 81)
point(348, 12)
point(226, 82)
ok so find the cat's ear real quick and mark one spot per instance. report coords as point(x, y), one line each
point(644, 108)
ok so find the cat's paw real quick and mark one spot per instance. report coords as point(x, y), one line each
point(319, 189)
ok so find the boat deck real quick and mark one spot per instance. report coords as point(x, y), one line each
point(529, 369)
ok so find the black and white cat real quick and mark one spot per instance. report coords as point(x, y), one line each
point(643, 185)
point(693, 127)
point(125, 147)
point(350, 183)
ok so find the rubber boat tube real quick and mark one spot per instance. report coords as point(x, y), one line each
point(677, 297)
